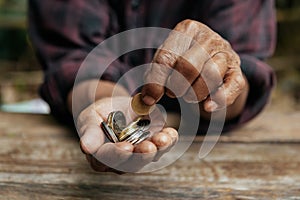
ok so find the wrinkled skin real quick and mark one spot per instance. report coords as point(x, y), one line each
point(210, 69)
point(105, 156)
point(204, 59)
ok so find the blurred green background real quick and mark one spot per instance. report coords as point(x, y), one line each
point(20, 73)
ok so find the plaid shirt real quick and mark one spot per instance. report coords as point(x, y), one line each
point(64, 32)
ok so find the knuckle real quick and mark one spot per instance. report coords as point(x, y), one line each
point(81, 118)
point(186, 21)
point(231, 58)
point(161, 139)
point(226, 44)
point(165, 57)
point(171, 131)
point(235, 58)
point(82, 130)
point(239, 82)
point(189, 24)
point(191, 27)
point(145, 147)
point(218, 44)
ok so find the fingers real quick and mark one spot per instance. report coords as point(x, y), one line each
point(192, 63)
point(226, 95)
point(187, 68)
point(163, 62)
point(113, 154)
point(89, 131)
point(124, 157)
point(88, 123)
point(92, 139)
point(143, 154)
point(164, 141)
point(233, 85)
point(110, 156)
point(116, 157)
point(210, 79)
point(149, 151)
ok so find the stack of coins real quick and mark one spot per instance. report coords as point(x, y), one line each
point(116, 129)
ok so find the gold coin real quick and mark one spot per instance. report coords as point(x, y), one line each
point(138, 106)
point(129, 130)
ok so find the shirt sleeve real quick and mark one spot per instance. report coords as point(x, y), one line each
point(63, 33)
point(250, 27)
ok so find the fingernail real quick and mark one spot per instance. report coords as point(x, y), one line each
point(148, 100)
point(212, 106)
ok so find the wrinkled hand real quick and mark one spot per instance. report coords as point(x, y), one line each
point(208, 68)
point(120, 157)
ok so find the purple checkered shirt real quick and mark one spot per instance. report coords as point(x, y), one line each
point(63, 32)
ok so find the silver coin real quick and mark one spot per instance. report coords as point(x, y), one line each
point(144, 124)
point(135, 136)
point(126, 132)
point(133, 142)
point(129, 130)
point(116, 121)
point(134, 130)
point(109, 132)
point(116, 130)
point(143, 137)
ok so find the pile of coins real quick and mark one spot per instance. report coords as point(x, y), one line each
point(116, 130)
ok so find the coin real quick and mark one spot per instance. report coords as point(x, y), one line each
point(135, 136)
point(144, 124)
point(143, 137)
point(116, 130)
point(138, 106)
point(138, 137)
point(116, 121)
point(135, 130)
point(129, 130)
point(110, 134)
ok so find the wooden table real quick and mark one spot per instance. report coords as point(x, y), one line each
point(39, 159)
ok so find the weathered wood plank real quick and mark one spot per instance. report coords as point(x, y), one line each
point(41, 160)
point(65, 191)
point(231, 171)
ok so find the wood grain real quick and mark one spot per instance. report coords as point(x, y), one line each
point(40, 159)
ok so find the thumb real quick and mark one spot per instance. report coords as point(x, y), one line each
point(152, 93)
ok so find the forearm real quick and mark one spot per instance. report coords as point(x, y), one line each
point(87, 92)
